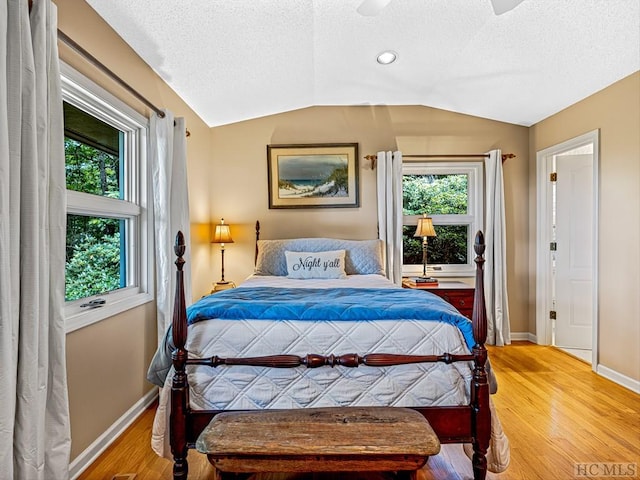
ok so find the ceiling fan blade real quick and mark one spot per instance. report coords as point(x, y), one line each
point(504, 6)
point(371, 8)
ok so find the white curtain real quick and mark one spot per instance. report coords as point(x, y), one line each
point(34, 412)
point(389, 189)
point(168, 157)
point(495, 276)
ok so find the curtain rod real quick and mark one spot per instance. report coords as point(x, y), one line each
point(96, 63)
point(373, 158)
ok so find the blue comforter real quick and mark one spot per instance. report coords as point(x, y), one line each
point(331, 304)
point(334, 304)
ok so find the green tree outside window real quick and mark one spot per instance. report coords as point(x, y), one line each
point(93, 249)
point(436, 195)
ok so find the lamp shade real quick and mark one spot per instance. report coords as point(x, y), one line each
point(222, 233)
point(425, 227)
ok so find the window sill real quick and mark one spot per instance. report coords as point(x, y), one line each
point(76, 319)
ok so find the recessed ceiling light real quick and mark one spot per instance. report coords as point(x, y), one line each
point(387, 57)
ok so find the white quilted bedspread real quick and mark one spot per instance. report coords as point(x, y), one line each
point(256, 387)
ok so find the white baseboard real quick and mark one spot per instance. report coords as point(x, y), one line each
point(93, 451)
point(620, 379)
point(524, 336)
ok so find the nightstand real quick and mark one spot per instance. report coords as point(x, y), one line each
point(458, 294)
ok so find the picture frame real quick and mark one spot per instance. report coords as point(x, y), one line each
point(322, 175)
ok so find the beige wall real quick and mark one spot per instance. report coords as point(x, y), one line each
point(102, 387)
point(239, 179)
point(106, 367)
point(615, 111)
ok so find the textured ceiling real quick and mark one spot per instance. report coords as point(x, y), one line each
point(233, 60)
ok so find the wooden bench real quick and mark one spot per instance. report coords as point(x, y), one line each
point(319, 440)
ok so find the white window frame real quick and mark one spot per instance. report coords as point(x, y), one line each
point(474, 219)
point(84, 94)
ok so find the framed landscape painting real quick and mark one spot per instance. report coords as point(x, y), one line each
point(313, 176)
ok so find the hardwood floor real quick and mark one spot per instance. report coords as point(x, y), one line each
point(554, 409)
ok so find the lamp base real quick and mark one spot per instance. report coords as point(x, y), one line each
point(219, 286)
point(423, 279)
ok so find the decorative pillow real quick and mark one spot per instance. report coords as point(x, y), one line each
point(361, 256)
point(304, 265)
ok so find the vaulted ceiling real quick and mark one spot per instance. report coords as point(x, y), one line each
point(233, 60)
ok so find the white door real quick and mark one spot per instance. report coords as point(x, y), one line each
point(573, 257)
point(567, 215)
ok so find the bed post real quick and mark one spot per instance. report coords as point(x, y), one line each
point(481, 418)
point(179, 389)
point(255, 259)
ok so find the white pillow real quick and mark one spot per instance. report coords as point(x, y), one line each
point(305, 265)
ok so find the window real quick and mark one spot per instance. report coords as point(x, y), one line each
point(107, 264)
point(451, 194)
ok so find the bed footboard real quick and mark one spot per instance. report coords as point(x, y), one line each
point(471, 423)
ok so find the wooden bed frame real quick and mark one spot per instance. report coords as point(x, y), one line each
point(455, 424)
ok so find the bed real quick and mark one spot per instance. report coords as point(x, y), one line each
point(292, 335)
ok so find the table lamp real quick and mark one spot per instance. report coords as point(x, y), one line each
point(222, 235)
point(425, 229)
